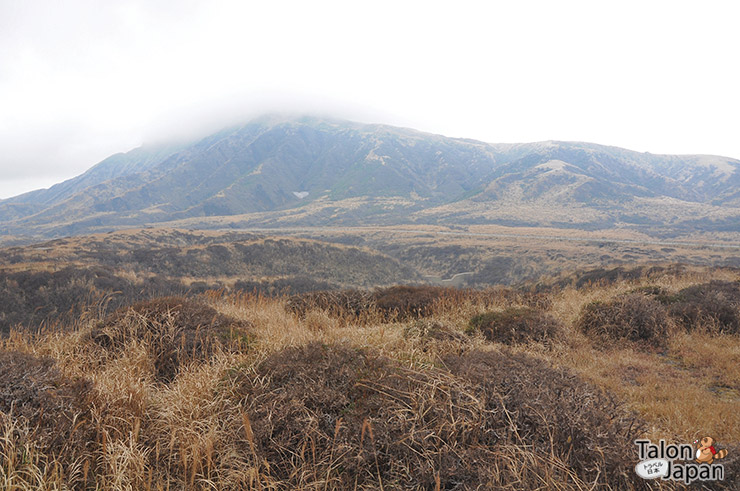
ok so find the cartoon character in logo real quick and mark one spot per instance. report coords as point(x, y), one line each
point(705, 451)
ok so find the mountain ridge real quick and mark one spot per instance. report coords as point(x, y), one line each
point(335, 172)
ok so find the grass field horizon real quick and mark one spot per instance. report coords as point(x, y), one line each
point(542, 385)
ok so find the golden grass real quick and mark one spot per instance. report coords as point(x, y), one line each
point(677, 402)
point(193, 433)
point(690, 390)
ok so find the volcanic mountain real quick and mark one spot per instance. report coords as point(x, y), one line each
point(276, 171)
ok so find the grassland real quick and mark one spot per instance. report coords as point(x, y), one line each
point(396, 388)
point(51, 282)
point(513, 255)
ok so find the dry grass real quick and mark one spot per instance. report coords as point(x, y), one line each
point(333, 416)
point(516, 325)
point(633, 318)
point(319, 398)
point(174, 330)
point(46, 424)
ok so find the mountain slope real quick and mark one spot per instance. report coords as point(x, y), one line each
point(118, 165)
point(275, 171)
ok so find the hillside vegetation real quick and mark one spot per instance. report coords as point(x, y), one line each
point(393, 388)
point(53, 282)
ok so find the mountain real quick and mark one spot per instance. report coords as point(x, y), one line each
point(277, 171)
point(116, 166)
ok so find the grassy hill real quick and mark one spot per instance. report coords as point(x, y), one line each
point(399, 388)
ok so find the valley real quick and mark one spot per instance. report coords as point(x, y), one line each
point(121, 267)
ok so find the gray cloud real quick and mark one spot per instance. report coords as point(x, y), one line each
point(81, 79)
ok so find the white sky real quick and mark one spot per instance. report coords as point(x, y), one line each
point(80, 80)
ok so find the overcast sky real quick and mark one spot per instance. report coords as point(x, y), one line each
point(81, 80)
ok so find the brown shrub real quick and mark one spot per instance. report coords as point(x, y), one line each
point(511, 296)
point(30, 298)
point(392, 303)
point(310, 408)
point(516, 325)
point(349, 419)
point(633, 317)
point(47, 410)
point(404, 302)
point(658, 293)
point(175, 330)
point(283, 286)
point(341, 303)
point(601, 276)
point(531, 403)
point(714, 306)
point(731, 463)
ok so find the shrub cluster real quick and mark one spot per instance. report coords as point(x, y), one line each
point(519, 296)
point(632, 317)
point(282, 286)
point(392, 303)
point(648, 314)
point(31, 298)
point(404, 302)
point(322, 413)
point(714, 306)
point(46, 412)
point(552, 410)
point(175, 330)
point(603, 276)
point(516, 325)
point(430, 329)
point(657, 293)
point(340, 303)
